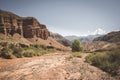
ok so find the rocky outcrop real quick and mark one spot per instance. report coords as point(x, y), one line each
point(28, 27)
point(110, 37)
point(10, 23)
point(32, 28)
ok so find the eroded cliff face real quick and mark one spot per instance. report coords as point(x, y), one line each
point(32, 28)
point(10, 23)
point(28, 27)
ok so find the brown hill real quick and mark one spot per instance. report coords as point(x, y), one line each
point(106, 42)
point(50, 43)
point(98, 46)
point(110, 37)
point(61, 39)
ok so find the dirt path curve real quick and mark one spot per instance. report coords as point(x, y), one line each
point(55, 66)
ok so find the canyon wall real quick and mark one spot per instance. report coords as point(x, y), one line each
point(27, 27)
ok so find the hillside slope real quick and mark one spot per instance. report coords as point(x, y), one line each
point(98, 46)
point(106, 42)
point(110, 37)
point(15, 39)
point(61, 39)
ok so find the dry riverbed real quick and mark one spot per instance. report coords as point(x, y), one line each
point(57, 66)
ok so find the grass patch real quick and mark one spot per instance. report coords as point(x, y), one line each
point(75, 54)
point(29, 53)
point(108, 61)
point(33, 51)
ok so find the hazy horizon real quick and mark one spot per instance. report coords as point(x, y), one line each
point(70, 17)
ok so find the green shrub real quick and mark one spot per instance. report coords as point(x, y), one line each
point(51, 50)
point(3, 44)
point(39, 51)
point(7, 53)
point(34, 51)
point(107, 61)
point(11, 46)
point(76, 54)
point(90, 57)
point(76, 46)
point(29, 53)
point(18, 52)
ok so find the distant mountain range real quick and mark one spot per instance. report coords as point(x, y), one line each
point(67, 40)
point(83, 39)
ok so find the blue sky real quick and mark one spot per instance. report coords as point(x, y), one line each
point(69, 17)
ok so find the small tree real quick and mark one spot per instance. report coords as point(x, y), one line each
point(76, 46)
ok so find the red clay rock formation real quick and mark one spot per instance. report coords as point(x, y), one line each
point(10, 23)
point(28, 27)
point(32, 28)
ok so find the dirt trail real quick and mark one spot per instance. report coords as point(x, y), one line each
point(56, 66)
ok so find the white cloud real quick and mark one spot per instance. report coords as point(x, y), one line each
point(97, 31)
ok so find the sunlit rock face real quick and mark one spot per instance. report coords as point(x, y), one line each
point(27, 27)
point(32, 28)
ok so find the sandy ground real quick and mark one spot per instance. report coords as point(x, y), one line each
point(55, 66)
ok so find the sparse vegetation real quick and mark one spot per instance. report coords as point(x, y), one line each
point(76, 54)
point(10, 51)
point(17, 51)
point(3, 44)
point(76, 46)
point(7, 53)
point(107, 61)
point(29, 53)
